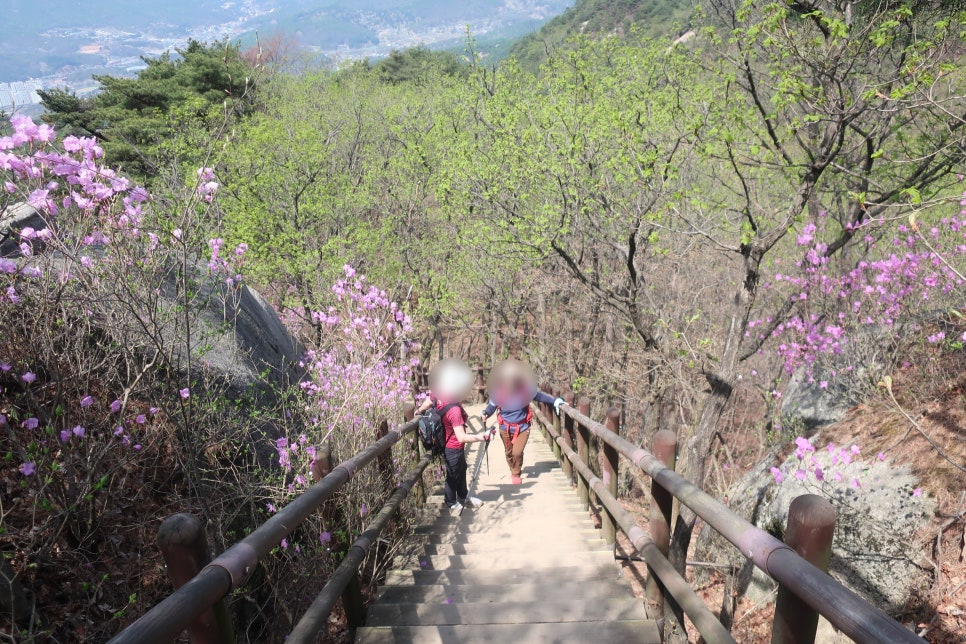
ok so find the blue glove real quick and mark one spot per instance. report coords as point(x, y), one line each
point(557, 404)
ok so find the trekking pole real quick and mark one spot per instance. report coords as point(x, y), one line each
point(476, 469)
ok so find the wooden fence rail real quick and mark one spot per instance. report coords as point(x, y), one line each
point(805, 589)
point(845, 610)
point(231, 569)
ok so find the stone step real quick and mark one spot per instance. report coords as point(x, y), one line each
point(627, 632)
point(598, 589)
point(559, 575)
point(506, 612)
point(501, 561)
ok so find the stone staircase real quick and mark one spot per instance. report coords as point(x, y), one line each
point(526, 567)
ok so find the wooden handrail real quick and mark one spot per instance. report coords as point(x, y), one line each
point(845, 610)
point(231, 569)
point(701, 616)
point(314, 619)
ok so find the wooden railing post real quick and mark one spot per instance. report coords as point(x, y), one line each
point(419, 490)
point(384, 462)
point(480, 384)
point(568, 434)
point(354, 605)
point(811, 525)
point(323, 462)
point(184, 546)
point(583, 434)
point(547, 411)
point(664, 448)
point(610, 474)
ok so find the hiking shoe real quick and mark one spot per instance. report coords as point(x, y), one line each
point(473, 502)
point(456, 508)
point(516, 480)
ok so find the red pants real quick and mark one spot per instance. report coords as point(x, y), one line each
point(514, 449)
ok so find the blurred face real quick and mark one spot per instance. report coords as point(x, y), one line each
point(512, 384)
point(451, 379)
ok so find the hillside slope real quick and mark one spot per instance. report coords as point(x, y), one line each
point(602, 17)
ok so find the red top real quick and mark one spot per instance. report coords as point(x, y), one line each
point(454, 417)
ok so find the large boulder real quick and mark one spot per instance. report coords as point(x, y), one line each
point(810, 402)
point(879, 511)
point(238, 336)
point(14, 219)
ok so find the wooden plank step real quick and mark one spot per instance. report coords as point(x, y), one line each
point(614, 610)
point(500, 547)
point(551, 525)
point(538, 560)
point(597, 589)
point(449, 533)
point(557, 575)
point(627, 632)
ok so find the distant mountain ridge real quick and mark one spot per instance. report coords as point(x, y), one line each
point(603, 17)
point(65, 41)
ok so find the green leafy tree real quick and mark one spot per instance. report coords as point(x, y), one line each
point(198, 87)
point(353, 184)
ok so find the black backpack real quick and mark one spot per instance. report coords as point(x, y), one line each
point(431, 430)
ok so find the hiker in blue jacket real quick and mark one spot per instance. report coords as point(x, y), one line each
point(512, 395)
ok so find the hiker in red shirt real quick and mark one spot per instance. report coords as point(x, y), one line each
point(454, 422)
point(512, 389)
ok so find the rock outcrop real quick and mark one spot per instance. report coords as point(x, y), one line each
point(13, 219)
point(879, 512)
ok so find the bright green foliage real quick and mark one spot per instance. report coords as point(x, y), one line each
point(198, 88)
point(338, 169)
point(417, 63)
point(584, 165)
point(630, 19)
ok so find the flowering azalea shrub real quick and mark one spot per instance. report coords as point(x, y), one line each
point(834, 467)
point(358, 378)
point(109, 416)
point(851, 306)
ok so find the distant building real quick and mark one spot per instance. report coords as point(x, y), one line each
point(20, 93)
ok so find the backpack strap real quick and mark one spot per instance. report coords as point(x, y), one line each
point(446, 408)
